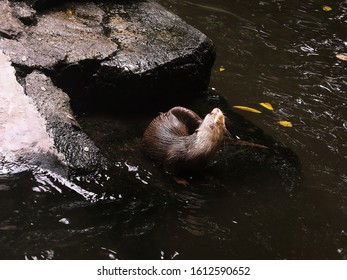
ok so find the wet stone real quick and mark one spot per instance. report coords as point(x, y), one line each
point(58, 38)
point(23, 131)
point(23, 12)
point(158, 52)
point(10, 26)
point(127, 49)
point(99, 52)
point(54, 105)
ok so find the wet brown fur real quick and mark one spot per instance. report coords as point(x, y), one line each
point(181, 140)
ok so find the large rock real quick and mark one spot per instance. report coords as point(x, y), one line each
point(25, 13)
point(39, 129)
point(97, 52)
point(158, 51)
point(60, 39)
point(23, 133)
point(10, 26)
point(111, 51)
point(54, 105)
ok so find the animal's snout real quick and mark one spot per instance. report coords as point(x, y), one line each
point(218, 116)
point(216, 111)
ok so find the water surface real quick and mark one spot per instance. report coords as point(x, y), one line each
point(250, 204)
point(284, 52)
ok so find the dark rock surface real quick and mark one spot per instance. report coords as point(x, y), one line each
point(54, 106)
point(159, 54)
point(59, 39)
point(100, 53)
point(10, 26)
point(24, 12)
point(108, 52)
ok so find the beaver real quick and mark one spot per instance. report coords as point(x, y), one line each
point(182, 141)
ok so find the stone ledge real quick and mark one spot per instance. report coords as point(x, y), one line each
point(132, 49)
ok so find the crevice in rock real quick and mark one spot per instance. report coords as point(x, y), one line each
point(77, 80)
point(25, 13)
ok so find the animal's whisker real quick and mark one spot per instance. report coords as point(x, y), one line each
point(227, 133)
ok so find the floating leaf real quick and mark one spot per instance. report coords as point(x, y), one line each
point(326, 8)
point(342, 56)
point(267, 105)
point(248, 109)
point(285, 123)
point(221, 69)
point(69, 12)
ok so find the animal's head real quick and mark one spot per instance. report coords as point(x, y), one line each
point(213, 125)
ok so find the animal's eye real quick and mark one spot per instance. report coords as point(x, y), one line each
point(211, 126)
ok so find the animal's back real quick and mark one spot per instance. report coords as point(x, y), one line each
point(170, 128)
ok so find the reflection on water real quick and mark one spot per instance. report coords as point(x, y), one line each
point(282, 52)
point(287, 57)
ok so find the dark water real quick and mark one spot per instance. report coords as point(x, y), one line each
point(283, 52)
point(251, 204)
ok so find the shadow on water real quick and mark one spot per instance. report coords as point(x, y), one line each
point(284, 202)
point(135, 210)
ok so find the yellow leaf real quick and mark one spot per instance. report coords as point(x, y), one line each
point(69, 12)
point(221, 69)
point(326, 8)
point(285, 123)
point(248, 109)
point(267, 105)
point(342, 56)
